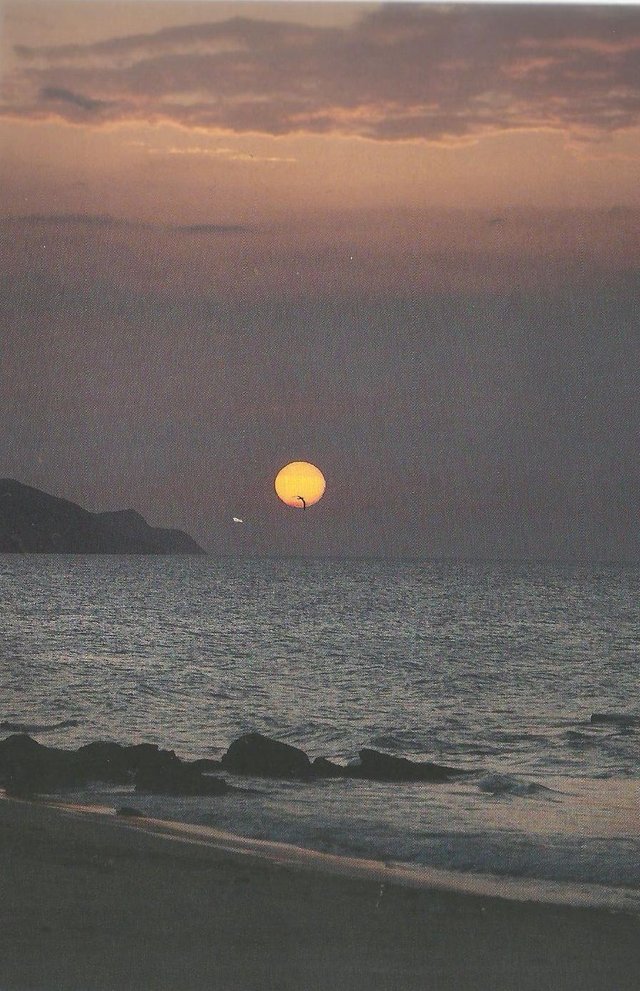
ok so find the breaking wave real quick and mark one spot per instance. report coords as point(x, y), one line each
point(9, 727)
point(509, 784)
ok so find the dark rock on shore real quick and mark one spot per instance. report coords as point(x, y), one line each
point(102, 761)
point(28, 767)
point(112, 762)
point(615, 719)
point(149, 758)
point(376, 766)
point(205, 765)
point(324, 768)
point(179, 779)
point(258, 755)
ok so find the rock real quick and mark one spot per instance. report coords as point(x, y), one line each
point(615, 718)
point(205, 765)
point(28, 767)
point(101, 761)
point(258, 755)
point(129, 813)
point(375, 766)
point(178, 779)
point(323, 768)
point(143, 757)
point(160, 772)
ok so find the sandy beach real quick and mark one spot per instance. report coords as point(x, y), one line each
point(96, 902)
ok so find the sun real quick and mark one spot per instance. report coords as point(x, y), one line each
point(300, 484)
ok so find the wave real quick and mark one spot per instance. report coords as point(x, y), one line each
point(509, 784)
point(9, 727)
point(624, 720)
point(367, 864)
point(501, 736)
point(397, 740)
point(575, 738)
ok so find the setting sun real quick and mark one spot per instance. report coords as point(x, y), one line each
point(300, 484)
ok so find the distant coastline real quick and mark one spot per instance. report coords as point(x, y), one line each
point(34, 522)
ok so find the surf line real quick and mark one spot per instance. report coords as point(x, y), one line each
point(503, 888)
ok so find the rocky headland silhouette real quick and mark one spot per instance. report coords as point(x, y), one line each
point(34, 522)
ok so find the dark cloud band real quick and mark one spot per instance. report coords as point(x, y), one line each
point(400, 72)
point(98, 222)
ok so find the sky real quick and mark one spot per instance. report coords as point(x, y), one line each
point(398, 241)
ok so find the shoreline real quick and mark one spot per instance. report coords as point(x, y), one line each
point(96, 901)
point(532, 891)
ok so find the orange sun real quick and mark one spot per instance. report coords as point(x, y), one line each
point(300, 484)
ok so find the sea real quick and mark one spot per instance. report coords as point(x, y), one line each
point(496, 668)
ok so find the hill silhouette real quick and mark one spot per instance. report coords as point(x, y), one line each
point(34, 522)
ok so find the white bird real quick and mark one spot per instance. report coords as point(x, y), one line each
point(236, 519)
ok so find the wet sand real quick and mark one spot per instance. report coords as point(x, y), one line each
point(94, 903)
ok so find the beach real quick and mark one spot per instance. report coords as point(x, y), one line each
point(94, 901)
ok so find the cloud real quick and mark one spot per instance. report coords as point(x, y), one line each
point(211, 228)
point(76, 100)
point(430, 72)
point(104, 221)
point(63, 220)
point(230, 256)
point(229, 154)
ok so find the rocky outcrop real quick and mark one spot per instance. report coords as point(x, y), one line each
point(101, 761)
point(323, 768)
point(614, 719)
point(112, 762)
point(205, 765)
point(376, 766)
point(258, 755)
point(34, 522)
point(179, 779)
point(27, 767)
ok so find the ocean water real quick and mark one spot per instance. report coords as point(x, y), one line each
point(495, 668)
